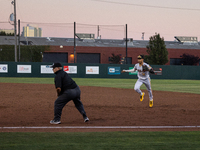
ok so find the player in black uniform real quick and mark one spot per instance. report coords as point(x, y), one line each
point(67, 90)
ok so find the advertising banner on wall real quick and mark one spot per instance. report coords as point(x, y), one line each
point(158, 71)
point(23, 68)
point(114, 70)
point(132, 73)
point(3, 68)
point(70, 69)
point(45, 69)
point(92, 69)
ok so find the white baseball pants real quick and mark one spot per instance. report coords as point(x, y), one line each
point(147, 83)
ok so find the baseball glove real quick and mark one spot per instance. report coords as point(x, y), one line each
point(145, 68)
point(151, 71)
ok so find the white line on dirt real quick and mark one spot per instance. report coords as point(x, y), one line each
point(100, 127)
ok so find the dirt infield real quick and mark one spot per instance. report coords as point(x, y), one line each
point(32, 105)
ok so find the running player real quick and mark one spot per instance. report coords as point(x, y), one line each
point(143, 78)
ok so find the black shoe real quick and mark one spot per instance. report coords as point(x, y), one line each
point(86, 119)
point(55, 122)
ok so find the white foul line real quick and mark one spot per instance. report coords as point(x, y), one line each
point(100, 127)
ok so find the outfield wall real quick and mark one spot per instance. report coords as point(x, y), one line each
point(36, 69)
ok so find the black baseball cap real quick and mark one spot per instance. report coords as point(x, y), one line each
point(140, 57)
point(56, 65)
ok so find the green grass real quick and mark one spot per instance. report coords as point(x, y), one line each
point(186, 86)
point(101, 141)
point(27, 80)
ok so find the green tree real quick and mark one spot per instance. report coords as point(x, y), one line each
point(188, 59)
point(158, 54)
point(3, 33)
point(115, 59)
point(30, 53)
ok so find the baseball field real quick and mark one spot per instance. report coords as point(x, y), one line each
point(118, 120)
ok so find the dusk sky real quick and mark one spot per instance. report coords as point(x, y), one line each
point(137, 14)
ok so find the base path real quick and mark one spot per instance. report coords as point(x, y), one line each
point(31, 105)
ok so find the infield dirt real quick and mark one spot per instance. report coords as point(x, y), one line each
point(33, 105)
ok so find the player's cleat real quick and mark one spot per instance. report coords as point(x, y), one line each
point(55, 122)
point(151, 103)
point(142, 96)
point(86, 119)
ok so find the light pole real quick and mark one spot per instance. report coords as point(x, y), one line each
point(126, 42)
point(15, 28)
point(74, 42)
point(19, 38)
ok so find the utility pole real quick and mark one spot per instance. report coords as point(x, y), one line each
point(126, 43)
point(19, 38)
point(98, 32)
point(15, 30)
point(74, 42)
